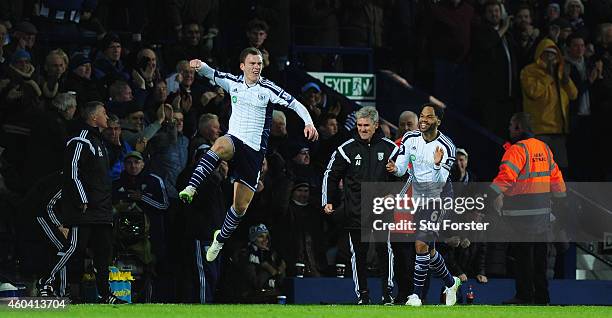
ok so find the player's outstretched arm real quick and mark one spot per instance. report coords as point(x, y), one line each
point(310, 132)
point(196, 64)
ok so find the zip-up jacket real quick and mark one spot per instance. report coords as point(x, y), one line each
point(354, 162)
point(150, 186)
point(528, 177)
point(86, 179)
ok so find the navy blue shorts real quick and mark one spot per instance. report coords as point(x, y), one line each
point(432, 218)
point(245, 166)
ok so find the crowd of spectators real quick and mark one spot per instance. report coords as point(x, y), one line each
point(485, 59)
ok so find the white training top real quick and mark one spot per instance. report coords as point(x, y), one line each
point(417, 156)
point(251, 117)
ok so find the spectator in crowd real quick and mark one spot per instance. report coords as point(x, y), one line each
point(191, 46)
point(547, 91)
point(558, 31)
point(108, 64)
point(167, 157)
point(449, 34)
point(553, 12)
point(261, 268)
point(146, 71)
point(494, 69)
point(298, 166)
point(407, 121)
point(23, 37)
point(278, 132)
point(468, 260)
point(182, 142)
point(80, 81)
point(50, 131)
point(52, 81)
point(574, 12)
point(121, 97)
point(464, 180)
point(317, 103)
point(148, 191)
point(256, 33)
point(209, 130)
point(191, 96)
point(332, 136)
point(583, 74)
point(116, 147)
point(20, 94)
point(301, 226)
point(526, 35)
point(275, 13)
point(158, 96)
point(133, 124)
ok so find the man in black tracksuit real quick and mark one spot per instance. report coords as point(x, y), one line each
point(86, 199)
point(361, 159)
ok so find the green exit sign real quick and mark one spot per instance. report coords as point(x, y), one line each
point(355, 86)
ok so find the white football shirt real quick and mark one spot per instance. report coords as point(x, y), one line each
point(251, 117)
point(417, 157)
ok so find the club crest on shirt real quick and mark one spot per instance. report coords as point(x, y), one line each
point(100, 152)
point(381, 156)
point(261, 97)
point(234, 99)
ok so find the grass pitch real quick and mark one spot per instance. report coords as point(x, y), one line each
point(309, 311)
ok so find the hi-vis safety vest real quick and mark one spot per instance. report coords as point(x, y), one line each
point(528, 177)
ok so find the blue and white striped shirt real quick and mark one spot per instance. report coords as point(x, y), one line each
point(251, 117)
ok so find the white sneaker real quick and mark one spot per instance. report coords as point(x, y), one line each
point(215, 248)
point(451, 292)
point(413, 300)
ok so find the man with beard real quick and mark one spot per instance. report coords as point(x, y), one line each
point(429, 155)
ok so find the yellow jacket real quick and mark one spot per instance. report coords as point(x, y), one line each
point(540, 95)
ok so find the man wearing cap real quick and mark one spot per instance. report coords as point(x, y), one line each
point(547, 91)
point(79, 79)
point(558, 31)
point(148, 191)
point(19, 91)
point(263, 270)
point(23, 37)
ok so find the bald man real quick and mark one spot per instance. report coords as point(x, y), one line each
point(407, 122)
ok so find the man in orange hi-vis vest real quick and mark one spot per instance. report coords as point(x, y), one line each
point(528, 179)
